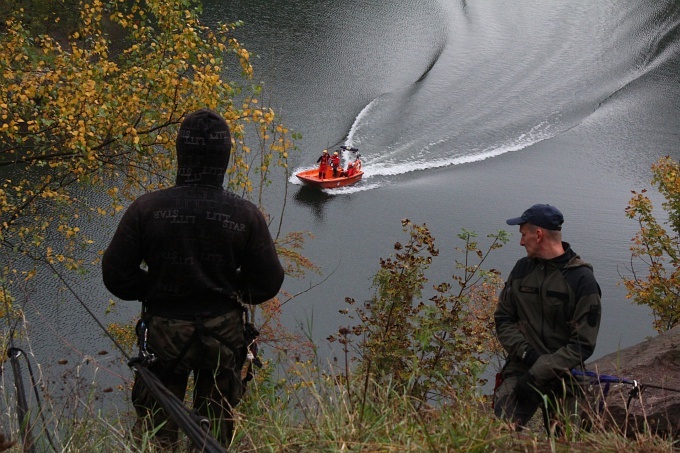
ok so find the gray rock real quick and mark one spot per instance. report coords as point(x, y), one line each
point(655, 365)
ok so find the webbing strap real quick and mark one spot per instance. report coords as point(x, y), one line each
point(199, 330)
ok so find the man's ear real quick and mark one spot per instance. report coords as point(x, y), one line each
point(539, 234)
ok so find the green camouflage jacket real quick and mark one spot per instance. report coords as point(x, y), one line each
point(551, 307)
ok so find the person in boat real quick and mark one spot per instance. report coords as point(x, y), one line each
point(323, 162)
point(193, 254)
point(350, 170)
point(547, 320)
point(357, 163)
point(335, 164)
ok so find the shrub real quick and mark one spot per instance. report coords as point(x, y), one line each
point(427, 347)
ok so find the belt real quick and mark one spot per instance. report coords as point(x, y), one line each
point(190, 310)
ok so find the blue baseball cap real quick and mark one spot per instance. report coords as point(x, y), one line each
point(541, 215)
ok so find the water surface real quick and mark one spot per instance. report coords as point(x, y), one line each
point(465, 113)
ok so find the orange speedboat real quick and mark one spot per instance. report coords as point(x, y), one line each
point(323, 175)
point(311, 178)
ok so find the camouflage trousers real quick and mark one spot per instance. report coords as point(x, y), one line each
point(184, 347)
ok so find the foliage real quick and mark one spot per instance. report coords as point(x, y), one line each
point(44, 16)
point(88, 112)
point(657, 248)
point(429, 347)
point(308, 411)
point(91, 96)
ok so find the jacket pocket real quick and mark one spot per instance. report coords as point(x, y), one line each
point(558, 305)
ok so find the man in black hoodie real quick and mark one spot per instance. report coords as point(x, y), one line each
point(193, 254)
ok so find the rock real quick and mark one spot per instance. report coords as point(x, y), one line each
point(655, 365)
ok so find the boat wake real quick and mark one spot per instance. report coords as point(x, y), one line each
point(380, 167)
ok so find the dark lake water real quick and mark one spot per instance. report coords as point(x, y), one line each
point(465, 113)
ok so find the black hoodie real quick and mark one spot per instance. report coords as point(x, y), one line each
point(195, 247)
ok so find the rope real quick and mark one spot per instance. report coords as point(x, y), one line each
point(13, 353)
point(51, 326)
point(601, 377)
point(92, 315)
point(188, 421)
point(618, 380)
point(22, 407)
point(638, 387)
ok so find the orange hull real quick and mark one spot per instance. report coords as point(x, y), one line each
point(311, 177)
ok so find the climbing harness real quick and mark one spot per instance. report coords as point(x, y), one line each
point(194, 426)
point(249, 351)
point(189, 420)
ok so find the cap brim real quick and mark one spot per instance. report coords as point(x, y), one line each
point(515, 221)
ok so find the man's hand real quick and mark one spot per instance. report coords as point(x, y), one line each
point(530, 356)
point(526, 389)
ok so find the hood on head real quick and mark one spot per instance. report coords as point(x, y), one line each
point(203, 148)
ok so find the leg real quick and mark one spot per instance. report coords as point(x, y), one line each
point(218, 386)
point(506, 405)
point(215, 394)
point(567, 407)
point(150, 415)
point(167, 339)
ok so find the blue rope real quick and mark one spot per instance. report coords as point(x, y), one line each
point(607, 380)
point(602, 378)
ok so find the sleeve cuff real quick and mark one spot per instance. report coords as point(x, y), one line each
point(530, 356)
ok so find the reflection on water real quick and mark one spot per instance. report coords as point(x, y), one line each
point(314, 199)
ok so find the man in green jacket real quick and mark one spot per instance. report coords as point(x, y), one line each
point(547, 318)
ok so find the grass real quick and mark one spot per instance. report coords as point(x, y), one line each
point(313, 410)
